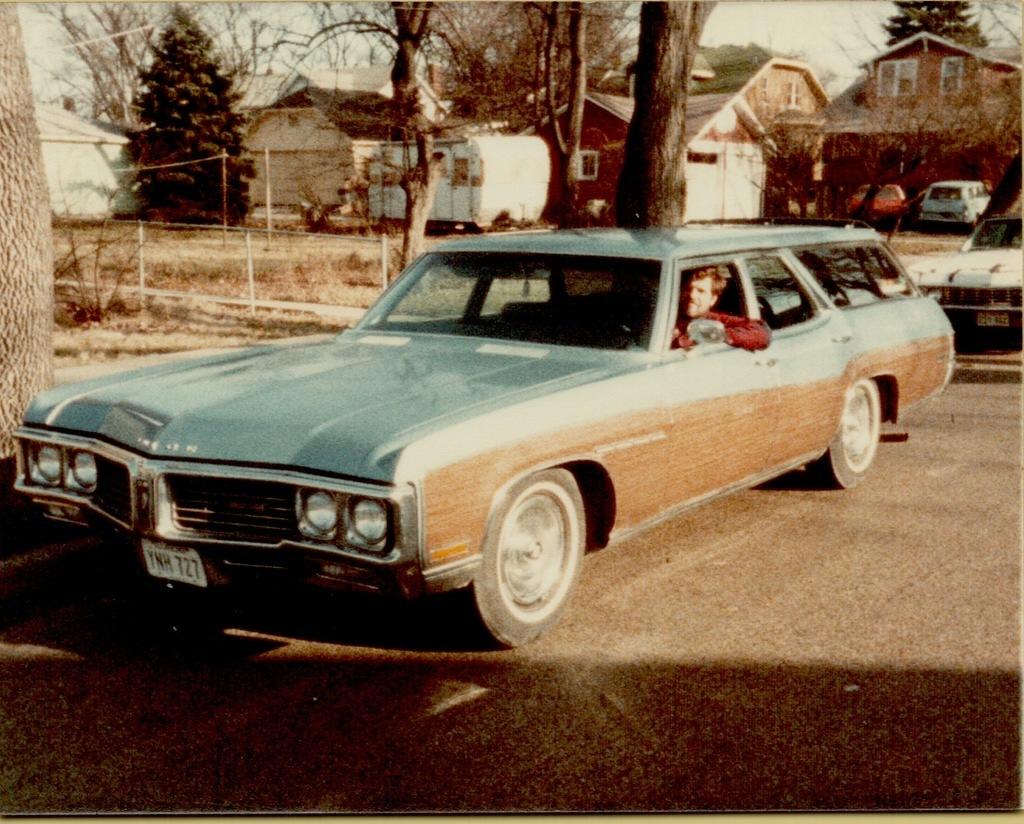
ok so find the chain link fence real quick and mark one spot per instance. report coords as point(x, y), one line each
point(102, 264)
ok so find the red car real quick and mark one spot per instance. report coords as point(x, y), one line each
point(888, 204)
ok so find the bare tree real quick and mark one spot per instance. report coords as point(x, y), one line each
point(652, 184)
point(26, 248)
point(403, 29)
point(791, 152)
point(412, 22)
point(566, 132)
point(1000, 20)
point(106, 44)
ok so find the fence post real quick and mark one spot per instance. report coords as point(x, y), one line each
point(266, 175)
point(384, 261)
point(252, 275)
point(142, 265)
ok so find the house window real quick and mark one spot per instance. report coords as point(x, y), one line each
point(460, 175)
point(793, 101)
point(952, 75)
point(897, 78)
point(764, 88)
point(588, 164)
point(709, 158)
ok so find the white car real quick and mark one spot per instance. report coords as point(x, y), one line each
point(954, 201)
point(980, 287)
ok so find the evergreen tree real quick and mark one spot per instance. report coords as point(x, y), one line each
point(186, 109)
point(946, 18)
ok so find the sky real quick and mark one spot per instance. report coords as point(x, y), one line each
point(835, 36)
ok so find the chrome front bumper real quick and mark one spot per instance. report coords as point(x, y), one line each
point(147, 517)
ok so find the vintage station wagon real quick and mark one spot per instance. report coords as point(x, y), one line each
point(510, 403)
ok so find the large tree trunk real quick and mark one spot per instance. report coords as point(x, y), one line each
point(26, 253)
point(652, 185)
point(419, 180)
point(419, 184)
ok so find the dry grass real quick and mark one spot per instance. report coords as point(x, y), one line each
point(177, 326)
point(288, 266)
point(99, 317)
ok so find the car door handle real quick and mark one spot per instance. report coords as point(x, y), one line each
point(842, 339)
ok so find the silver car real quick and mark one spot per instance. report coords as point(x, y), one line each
point(959, 202)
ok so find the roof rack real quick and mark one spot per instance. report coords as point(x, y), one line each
point(781, 221)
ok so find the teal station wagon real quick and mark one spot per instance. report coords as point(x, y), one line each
point(509, 404)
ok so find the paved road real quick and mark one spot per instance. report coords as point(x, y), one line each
point(785, 648)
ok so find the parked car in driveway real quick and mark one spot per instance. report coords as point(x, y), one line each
point(885, 204)
point(959, 202)
point(980, 286)
point(512, 402)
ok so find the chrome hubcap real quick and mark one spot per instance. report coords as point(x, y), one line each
point(533, 551)
point(858, 429)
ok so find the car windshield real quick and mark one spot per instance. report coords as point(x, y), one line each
point(997, 234)
point(945, 193)
point(602, 303)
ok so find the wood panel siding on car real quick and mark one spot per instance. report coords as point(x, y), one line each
point(660, 459)
point(636, 451)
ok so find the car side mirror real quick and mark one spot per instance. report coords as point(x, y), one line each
point(703, 330)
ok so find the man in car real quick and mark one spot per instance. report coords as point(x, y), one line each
point(700, 294)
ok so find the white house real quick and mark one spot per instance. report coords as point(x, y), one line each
point(84, 163)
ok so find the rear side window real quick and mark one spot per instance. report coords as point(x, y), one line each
point(780, 297)
point(854, 275)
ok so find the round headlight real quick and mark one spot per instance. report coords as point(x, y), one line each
point(370, 520)
point(318, 515)
point(83, 470)
point(47, 465)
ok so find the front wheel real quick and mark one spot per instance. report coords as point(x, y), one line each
point(854, 446)
point(531, 558)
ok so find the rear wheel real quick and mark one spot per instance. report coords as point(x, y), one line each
point(853, 448)
point(531, 558)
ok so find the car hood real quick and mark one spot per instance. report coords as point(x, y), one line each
point(327, 407)
point(984, 267)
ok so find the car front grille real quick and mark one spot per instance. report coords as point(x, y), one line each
point(113, 489)
point(233, 509)
point(963, 296)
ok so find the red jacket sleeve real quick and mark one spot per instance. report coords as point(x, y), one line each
point(745, 333)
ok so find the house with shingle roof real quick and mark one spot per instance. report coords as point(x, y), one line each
point(925, 109)
point(309, 134)
point(85, 163)
point(725, 135)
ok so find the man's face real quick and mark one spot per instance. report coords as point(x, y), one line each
point(699, 297)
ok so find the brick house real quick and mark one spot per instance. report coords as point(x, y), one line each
point(926, 109)
point(725, 133)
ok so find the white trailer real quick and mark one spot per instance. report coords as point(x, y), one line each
point(482, 179)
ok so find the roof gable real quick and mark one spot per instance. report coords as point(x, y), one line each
point(922, 38)
point(60, 126)
point(701, 109)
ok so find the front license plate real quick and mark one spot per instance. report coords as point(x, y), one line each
point(993, 318)
point(174, 563)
